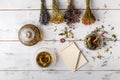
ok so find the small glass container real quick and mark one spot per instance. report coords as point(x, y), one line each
point(45, 58)
point(29, 35)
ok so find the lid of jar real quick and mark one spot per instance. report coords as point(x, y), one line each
point(29, 35)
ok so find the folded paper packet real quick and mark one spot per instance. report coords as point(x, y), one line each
point(73, 57)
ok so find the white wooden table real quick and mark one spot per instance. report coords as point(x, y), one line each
point(17, 61)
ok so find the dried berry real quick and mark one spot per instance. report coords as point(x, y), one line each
point(62, 40)
point(72, 15)
point(57, 16)
point(44, 15)
point(88, 17)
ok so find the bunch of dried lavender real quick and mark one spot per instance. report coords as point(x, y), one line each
point(72, 15)
point(88, 17)
point(57, 16)
point(44, 15)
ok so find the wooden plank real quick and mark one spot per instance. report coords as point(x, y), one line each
point(16, 19)
point(61, 75)
point(15, 56)
point(80, 4)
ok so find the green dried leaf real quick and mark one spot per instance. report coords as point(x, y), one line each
point(62, 34)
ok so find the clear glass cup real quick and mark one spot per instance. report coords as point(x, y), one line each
point(52, 54)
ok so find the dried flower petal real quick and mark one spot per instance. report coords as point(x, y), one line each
point(70, 34)
point(99, 56)
point(44, 15)
point(88, 17)
point(57, 16)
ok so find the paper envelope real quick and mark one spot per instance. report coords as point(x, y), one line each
point(73, 57)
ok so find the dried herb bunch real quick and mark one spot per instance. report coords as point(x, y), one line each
point(57, 16)
point(72, 15)
point(88, 17)
point(44, 15)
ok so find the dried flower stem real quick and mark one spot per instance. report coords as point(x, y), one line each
point(88, 17)
point(72, 15)
point(44, 15)
point(57, 16)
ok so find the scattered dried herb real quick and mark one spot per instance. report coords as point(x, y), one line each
point(80, 40)
point(44, 15)
point(111, 52)
point(62, 34)
point(105, 5)
point(88, 17)
point(72, 15)
point(57, 16)
point(115, 37)
point(104, 43)
point(70, 34)
point(93, 58)
point(106, 49)
point(104, 64)
point(99, 56)
point(67, 33)
point(112, 28)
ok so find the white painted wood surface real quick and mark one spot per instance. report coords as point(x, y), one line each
point(17, 60)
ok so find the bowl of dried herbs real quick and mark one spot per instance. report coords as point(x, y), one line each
point(92, 42)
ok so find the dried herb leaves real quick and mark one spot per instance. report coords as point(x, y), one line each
point(57, 16)
point(88, 17)
point(67, 33)
point(44, 15)
point(72, 15)
point(90, 44)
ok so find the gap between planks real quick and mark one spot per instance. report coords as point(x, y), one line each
point(43, 40)
point(67, 70)
point(48, 9)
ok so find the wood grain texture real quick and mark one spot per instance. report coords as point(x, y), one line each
point(55, 75)
point(80, 4)
point(18, 61)
point(16, 56)
point(16, 19)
